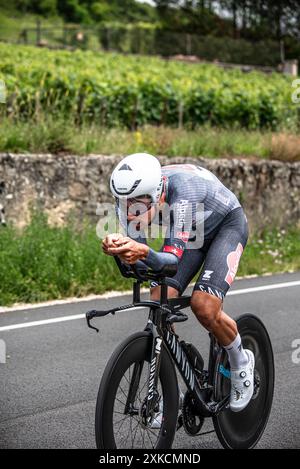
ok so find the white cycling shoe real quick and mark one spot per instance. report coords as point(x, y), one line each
point(242, 384)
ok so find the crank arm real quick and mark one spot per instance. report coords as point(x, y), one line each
point(216, 408)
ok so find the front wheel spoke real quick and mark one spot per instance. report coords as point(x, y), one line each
point(149, 438)
point(151, 431)
point(131, 432)
point(140, 390)
point(123, 403)
point(121, 420)
point(123, 392)
point(126, 379)
point(143, 437)
point(126, 439)
point(122, 425)
point(136, 429)
point(144, 386)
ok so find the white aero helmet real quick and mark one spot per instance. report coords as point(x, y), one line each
point(136, 175)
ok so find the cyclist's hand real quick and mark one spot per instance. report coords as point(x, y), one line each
point(130, 251)
point(110, 241)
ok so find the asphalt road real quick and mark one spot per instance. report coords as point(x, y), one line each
point(49, 383)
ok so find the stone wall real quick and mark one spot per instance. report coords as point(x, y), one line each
point(268, 190)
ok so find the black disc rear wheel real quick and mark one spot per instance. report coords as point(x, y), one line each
point(243, 429)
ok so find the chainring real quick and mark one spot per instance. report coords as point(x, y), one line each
point(192, 421)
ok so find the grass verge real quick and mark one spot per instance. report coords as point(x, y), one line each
point(43, 262)
point(62, 136)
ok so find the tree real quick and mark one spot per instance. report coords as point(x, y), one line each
point(45, 7)
point(73, 11)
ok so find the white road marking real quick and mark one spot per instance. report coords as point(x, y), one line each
point(274, 286)
point(49, 321)
point(68, 301)
point(241, 291)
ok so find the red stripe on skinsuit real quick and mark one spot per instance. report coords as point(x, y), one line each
point(177, 251)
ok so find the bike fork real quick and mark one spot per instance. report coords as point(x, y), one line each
point(133, 388)
point(157, 341)
point(152, 395)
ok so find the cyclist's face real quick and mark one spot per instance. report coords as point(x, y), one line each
point(140, 209)
point(139, 205)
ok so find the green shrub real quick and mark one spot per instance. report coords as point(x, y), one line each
point(44, 262)
point(111, 89)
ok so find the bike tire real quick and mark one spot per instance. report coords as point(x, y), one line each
point(136, 348)
point(242, 430)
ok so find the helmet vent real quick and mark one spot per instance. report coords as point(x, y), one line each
point(128, 192)
point(125, 167)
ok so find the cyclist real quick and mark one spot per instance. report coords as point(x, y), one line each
point(141, 187)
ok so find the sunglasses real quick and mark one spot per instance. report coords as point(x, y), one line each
point(142, 205)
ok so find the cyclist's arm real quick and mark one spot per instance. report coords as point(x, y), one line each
point(157, 260)
point(154, 260)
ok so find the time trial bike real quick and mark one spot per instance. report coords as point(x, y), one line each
point(140, 379)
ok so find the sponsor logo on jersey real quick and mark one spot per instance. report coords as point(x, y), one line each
point(181, 208)
point(207, 274)
point(233, 260)
point(183, 235)
point(211, 291)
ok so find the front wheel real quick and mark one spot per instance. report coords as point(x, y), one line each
point(121, 420)
point(238, 430)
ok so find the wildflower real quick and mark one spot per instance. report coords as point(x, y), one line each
point(138, 137)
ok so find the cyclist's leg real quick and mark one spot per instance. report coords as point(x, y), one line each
point(189, 265)
point(216, 277)
point(155, 292)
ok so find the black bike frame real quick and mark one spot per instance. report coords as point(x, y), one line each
point(206, 407)
point(161, 332)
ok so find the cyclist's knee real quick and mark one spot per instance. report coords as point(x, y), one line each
point(206, 308)
point(155, 293)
